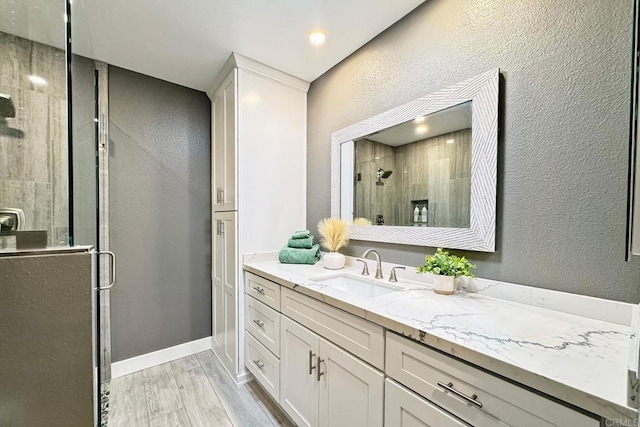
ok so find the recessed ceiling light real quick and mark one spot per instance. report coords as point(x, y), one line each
point(37, 80)
point(419, 119)
point(450, 141)
point(317, 37)
point(422, 129)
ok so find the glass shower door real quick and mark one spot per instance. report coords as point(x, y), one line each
point(87, 185)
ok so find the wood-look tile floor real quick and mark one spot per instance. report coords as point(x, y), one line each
point(192, 391)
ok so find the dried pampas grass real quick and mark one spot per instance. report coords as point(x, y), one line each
point(361, 221)
point(334, 234)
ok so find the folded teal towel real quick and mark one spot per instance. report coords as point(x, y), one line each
point(300, 256)
point(302, 234)
point(306, 243)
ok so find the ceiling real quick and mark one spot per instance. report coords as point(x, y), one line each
point(439, 123)
point(188, 41)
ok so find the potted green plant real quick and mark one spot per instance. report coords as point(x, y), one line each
point(445, 268)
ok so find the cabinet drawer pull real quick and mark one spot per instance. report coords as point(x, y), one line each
point(259, 323)
point(319, 373)
point(259, 364)
point(311, 367)
point(472, 399)
point(258, 290)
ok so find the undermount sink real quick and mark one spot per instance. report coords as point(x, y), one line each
point(354, 285)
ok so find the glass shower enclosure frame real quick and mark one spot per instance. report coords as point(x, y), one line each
point(87, 141)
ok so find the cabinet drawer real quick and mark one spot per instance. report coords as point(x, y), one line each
point(263, 323)
point(403, 408)
point(263, 290)
point(360, 337)
point(263, 365)
point(498, 402)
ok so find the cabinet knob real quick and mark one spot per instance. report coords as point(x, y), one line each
point(258, 290)
point(259, 323)
point(259, 364)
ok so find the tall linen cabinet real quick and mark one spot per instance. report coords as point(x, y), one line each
point(258, 183)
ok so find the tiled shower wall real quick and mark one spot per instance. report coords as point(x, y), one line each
point(431, 169)
point(33, 145)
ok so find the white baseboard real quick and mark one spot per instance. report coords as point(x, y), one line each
point(244, 378)
point(149, 360)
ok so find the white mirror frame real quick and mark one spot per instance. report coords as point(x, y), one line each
point(480, 236)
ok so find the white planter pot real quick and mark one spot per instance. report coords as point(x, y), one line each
point(444, 285)
point(333, 260)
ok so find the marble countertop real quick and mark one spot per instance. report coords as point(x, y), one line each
point(579, 360)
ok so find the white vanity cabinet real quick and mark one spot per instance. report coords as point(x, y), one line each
point(328, 367)
point(479, 398)
point(259, 141)
point(323, 385)
point(315, 381)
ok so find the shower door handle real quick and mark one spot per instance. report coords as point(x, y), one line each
point(113, 269)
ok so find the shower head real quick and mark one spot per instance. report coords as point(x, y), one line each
point(383, 173)
point(7, 109)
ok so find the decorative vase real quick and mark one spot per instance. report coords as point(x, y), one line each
point(333, 260)
point(444, 285)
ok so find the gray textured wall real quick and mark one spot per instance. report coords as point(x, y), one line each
point(46, 351)
point(160, 213)
point(564, 137)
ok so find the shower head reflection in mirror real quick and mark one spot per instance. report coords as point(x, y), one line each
point(8, 110)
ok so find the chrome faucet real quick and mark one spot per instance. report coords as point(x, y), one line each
point(365, 270)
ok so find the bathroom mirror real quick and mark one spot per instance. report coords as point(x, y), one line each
point(423, 173)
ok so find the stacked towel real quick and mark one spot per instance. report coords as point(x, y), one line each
point(302, 234)
point(300, 249)
point(306, 243)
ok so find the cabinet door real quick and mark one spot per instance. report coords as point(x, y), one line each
point(351, 391)
point(298, 373)
point(217, 291)
point(223, 141)
point(225, 292)
point(406, 409)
